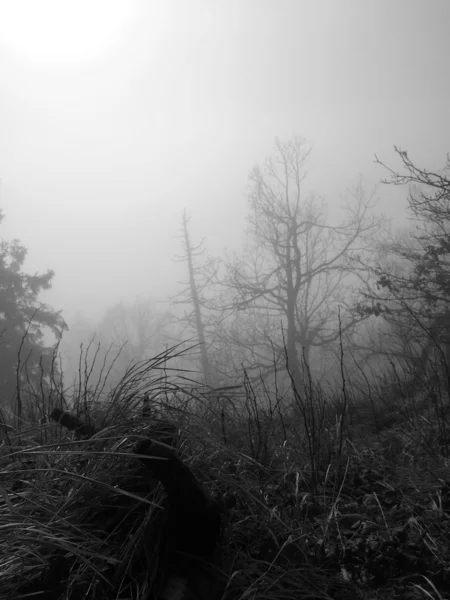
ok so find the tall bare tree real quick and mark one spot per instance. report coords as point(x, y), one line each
point(298, 267)
point(191, 296)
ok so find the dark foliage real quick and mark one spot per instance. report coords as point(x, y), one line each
point(424, 282)
point(24, 357)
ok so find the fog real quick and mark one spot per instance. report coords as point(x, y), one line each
point(115, 121)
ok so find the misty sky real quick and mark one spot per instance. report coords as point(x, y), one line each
point(116, 117)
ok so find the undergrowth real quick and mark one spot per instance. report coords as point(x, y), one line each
point(324, 506)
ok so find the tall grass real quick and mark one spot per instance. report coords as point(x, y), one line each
point(310, 474)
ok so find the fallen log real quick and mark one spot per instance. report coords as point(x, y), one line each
point(72, 423)
point(194, 518)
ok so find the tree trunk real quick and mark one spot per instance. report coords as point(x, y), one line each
point(206, 367)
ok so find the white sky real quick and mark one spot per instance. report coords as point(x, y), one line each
point(115, 116)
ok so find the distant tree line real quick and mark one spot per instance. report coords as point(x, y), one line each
point(306, 288)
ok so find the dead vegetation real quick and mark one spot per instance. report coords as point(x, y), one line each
point(242, 497)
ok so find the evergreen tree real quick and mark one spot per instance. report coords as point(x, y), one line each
point(25, 360)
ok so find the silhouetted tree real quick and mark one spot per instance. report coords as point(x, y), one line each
point(429, 252)
point(411, 289)
point(26, 361)
point(191, 295)
point(298, 267)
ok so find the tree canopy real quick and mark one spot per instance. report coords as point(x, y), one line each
point(299, 266)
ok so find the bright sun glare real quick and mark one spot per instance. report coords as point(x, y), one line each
point(62, 32)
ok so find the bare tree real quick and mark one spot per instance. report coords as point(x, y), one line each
point(191, 296)
point(298, 268)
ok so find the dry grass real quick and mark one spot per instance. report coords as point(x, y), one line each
point(319, 513)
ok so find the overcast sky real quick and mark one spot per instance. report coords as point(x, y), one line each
point(115, 116)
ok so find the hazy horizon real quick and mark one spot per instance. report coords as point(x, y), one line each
point(104, 144)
